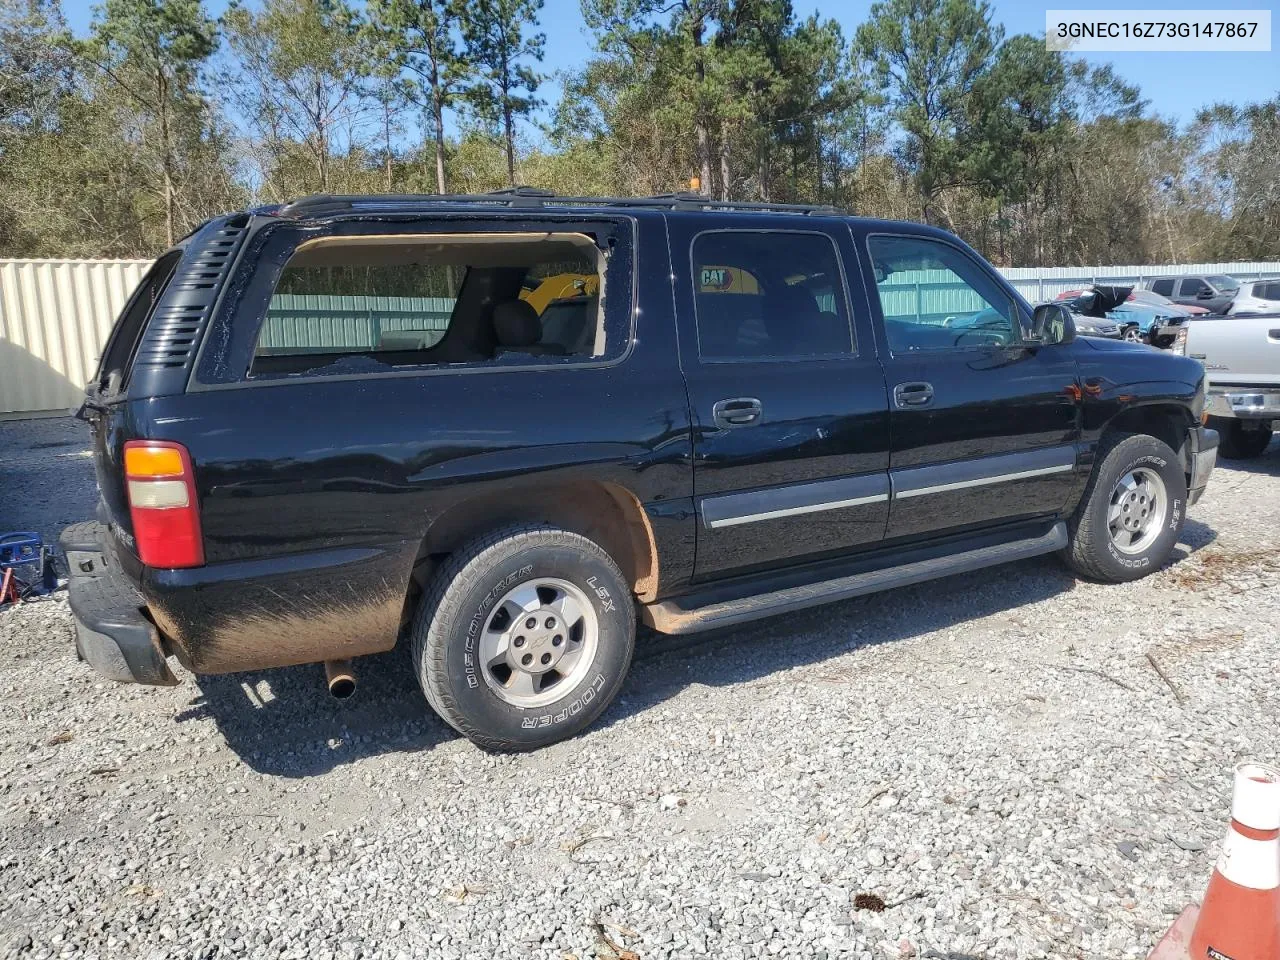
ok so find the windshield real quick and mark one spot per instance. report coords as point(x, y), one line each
point(1225, 284)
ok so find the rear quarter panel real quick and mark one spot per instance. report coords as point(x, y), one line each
point(316, 493)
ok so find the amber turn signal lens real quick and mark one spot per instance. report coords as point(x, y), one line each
point(144, 461)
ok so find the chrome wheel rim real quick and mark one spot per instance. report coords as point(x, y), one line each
point(1133, 334)
point(1136, 514)
point(538, 642)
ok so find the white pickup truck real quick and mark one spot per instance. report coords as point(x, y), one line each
point(1241, 357)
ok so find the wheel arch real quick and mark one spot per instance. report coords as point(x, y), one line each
point(604, 512)
point(1166, 420)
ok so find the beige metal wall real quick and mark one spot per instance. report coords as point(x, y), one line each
point(55, 316)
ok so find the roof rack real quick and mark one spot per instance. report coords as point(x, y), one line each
point(531, 197)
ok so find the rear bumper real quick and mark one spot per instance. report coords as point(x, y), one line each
point(1244, 403)
point(112, 634)
point(1202, 455)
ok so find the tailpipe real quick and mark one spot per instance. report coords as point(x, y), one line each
point(341, 678)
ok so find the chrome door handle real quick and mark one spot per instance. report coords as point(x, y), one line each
point(914, 394)
point(736, 412)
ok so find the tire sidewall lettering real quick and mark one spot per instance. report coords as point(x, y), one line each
point(1163, 543)
point(476, 624)
point(463, 669)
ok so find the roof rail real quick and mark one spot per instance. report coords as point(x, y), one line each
point(319, 205)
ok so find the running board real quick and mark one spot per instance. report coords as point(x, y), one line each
point(670, 617)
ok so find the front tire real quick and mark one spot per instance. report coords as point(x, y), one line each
point(1237, 442)
point(524, 637)
point(1132, 510)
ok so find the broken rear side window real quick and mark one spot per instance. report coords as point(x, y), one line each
point(351, 304)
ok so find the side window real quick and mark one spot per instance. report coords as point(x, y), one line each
point(1191, 287)
point(1163, 287)
point(934, 297)
point(1267, 291)
point(358, 303)
point(769, 295)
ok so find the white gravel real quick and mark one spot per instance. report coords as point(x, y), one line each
point(994, 756)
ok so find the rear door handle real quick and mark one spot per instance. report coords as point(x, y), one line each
point(917, 393)
point(736, 412)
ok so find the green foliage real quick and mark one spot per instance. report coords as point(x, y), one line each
point(298, 78)
point(499, 46)
point(117, 143)
point(151, 51)
point(417, 43)
point(932, 58)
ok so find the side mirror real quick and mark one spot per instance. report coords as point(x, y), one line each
point(1051, 323)
point(1204, 295)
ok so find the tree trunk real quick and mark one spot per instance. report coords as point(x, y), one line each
point(704, 158)
point(322, 139)
point(166, 161)
point(437, 107)
point(386, 130)
point(700, 124)
point(725, 179)
point(169, 231)
point(762, 170)
point(509, 129)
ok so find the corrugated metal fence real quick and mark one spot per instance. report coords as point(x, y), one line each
point(55, 315)
point(310, 322)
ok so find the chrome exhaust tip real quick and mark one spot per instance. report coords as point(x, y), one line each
point(341, 678)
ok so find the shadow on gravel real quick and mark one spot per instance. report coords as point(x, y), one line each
point(284, 723)
point(770, 646)
point(1268, 464)
point(1196, 536)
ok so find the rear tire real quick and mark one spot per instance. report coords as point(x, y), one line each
point(1240, 442)
point(1132, 511)
point(508, 686)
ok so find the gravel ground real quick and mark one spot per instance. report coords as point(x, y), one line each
point(994, 756)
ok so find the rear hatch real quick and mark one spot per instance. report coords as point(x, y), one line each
point(104, 404)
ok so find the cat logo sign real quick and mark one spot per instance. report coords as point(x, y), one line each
point(727, 280)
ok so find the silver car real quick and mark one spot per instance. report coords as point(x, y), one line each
point(1256, 297)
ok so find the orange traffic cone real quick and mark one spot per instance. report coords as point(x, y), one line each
point(1240, 916)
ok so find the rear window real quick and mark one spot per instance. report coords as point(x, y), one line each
point(122, 345)
point(318, 308)
point(353, 303)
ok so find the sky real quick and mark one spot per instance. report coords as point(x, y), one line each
point(1176, 84)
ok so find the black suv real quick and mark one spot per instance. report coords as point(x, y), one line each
point(501, 426)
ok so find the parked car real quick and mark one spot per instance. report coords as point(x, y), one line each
point(1213, 292)
point(757, 411)
point(1137, 320)
point(1241, 357)
point(1145, 298)
point(1095, 312)
point(1151, 298)
point(1256, 297)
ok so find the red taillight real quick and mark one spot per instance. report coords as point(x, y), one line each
point(162, 502)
